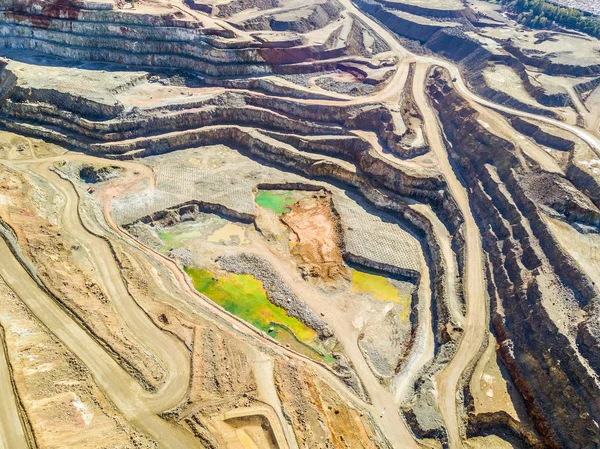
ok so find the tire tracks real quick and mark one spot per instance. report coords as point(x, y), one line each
point(137, 405)
point(475, 327)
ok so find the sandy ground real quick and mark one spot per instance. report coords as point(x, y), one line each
point(12, 435)
point(125, 392)
point(584, 248)
point(136, 404)
point(380, 396)
point(490, 389)
point(314, 239)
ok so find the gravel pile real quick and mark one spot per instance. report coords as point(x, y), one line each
point(349, 88)
point(305, 79)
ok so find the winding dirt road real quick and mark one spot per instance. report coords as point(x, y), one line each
point(475, 292)
point(141, 407)
point(171, 352)
point(459, 84)
point(127, 395)
point(391, 421)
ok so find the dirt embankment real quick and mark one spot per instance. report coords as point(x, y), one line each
point(540, 136)
point(319, 415)
point(535, 287)
point(222, 380)
point(474, 58)
point(225, 375)
point(59, 399)
point(65, 271)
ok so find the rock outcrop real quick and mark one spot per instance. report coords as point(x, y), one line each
point(171, 40)
point(527, 291)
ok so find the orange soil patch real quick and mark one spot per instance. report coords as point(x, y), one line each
point(320, 417)
point(315, 239)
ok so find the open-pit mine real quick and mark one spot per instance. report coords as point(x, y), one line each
point(298, 224)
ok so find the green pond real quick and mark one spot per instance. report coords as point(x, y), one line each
point(244, 296)
point(279, 201)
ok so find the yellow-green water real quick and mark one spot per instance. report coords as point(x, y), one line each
point(244, 296)
point(175, 239)
point(380, 288)
point(277, 201)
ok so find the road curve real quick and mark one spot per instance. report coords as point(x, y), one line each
point(475, 320)
point(138, 406)
point(171, 352)
point(125, 392)
point(392, 423)
point(459, 84)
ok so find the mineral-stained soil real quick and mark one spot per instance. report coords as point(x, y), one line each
point(222, 380)
point(314, 238)
point(321, 418)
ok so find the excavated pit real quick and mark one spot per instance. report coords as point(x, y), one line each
point(237, 224)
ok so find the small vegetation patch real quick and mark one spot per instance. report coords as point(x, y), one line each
point(544, 14)
point(172, 239)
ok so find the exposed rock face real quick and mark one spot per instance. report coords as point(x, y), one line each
point(527, 291)
point(585, 181)
point(187, 211)
point(488, 423)
point(8, 80)
point(540, 136)
point(320, 416)
point(405, 23)
point(453, 33)
point(91, 174)
point(265, 125)
point(456, 45)
point(433, 11)
point(300, 20)
point(587, 86)
point(588, 338)
point(171, 40)
point(551, 67)
point(558, 194)
point(385, 357)
point(315, 139)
